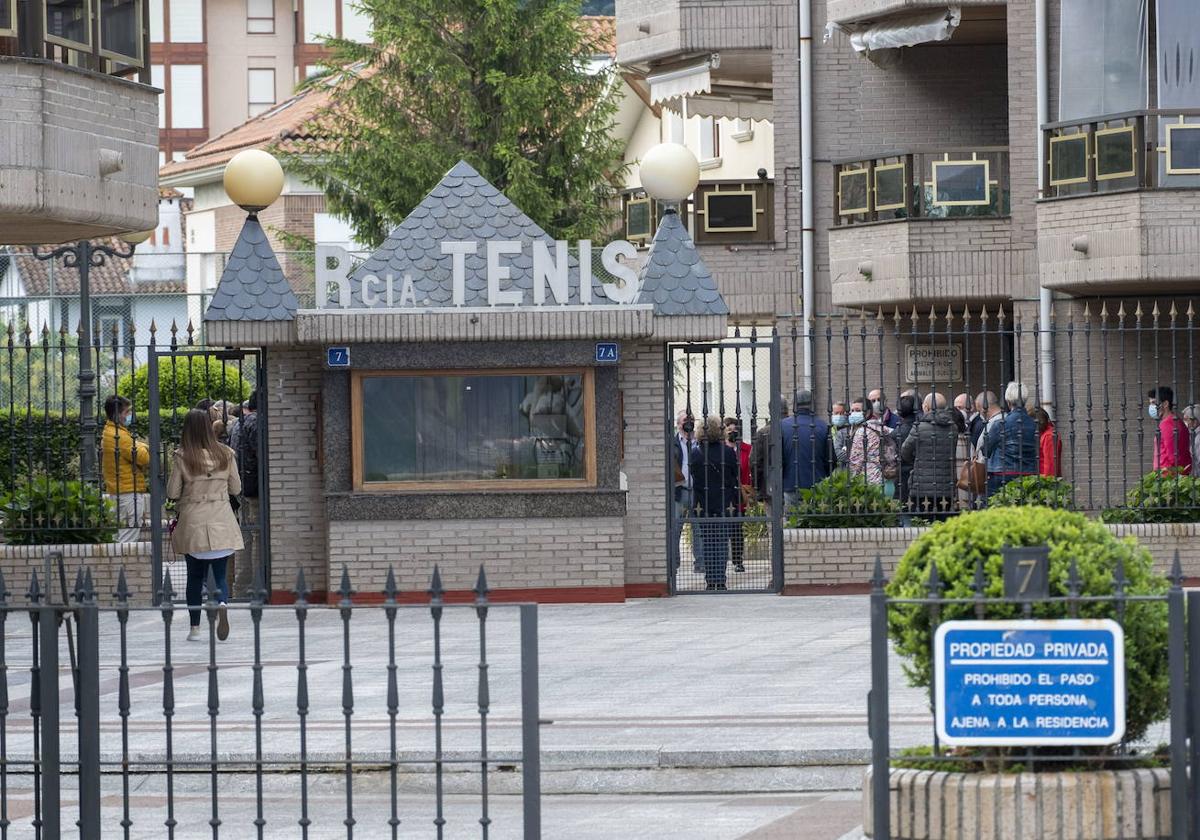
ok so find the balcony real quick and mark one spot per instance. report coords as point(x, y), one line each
point(659, 30)
point(79, 141)
point(722, 213)
point(1120, 211)
point(922, 227)
point(853, 11)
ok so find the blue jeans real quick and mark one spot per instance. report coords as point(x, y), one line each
point(197, 576)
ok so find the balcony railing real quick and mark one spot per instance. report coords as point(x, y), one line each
point(938, 184)
point(720, 213)
point(1135, 150)
point(107, 36)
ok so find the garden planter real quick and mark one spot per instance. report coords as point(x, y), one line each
point(1090, 805)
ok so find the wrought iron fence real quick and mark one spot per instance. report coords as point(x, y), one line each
point(339, 747)
point(1100, 597)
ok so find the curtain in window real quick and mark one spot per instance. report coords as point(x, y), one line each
point(1178, 53)
point(1103, 64)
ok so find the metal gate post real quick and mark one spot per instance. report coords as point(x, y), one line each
point(1177, 669)
point(877, 710)
point(88, 620)
point(156, 477)
point(672, 536)
point(531, 757)
point(264, 473)
point(775, 464)
point(51, 730)
point(1193, 656)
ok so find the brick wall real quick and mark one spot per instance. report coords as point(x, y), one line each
point(297, 505)
point(833, 558)
point(584, 554)
point(644, 395)
point(19, 562)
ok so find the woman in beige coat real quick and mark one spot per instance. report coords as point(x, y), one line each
point(203, 476)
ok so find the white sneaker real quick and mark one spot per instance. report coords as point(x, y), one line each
point(194, 635)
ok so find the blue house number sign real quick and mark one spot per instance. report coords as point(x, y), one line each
point(337, 357)
point(1030, 682)
point(607, 351)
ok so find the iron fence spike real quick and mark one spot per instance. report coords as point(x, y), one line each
point(166, 592)
point(435, 585)
point(878, 581)
point(301, 588)
point(1121, 311)
point(211, 582)
point(89, 586)
point(1191, 311)
point(1087, 311)
point(1137, 310)
point(344, 589)
point(122, 591)
point(979, 585)
point(935, 580)
point(1176, 575)
point(35, 591)
point(1073, 578)
point(1103, 310)
point(481, 587)
point(4, 593)
point(1119, 576)
point(1154, 313)
point(77, 590)
point(389, 585)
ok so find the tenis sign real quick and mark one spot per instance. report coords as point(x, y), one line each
point(552, 277)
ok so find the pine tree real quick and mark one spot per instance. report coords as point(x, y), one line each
point(511, 86)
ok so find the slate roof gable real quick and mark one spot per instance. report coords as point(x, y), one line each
point(675, 278)
point(252, 286)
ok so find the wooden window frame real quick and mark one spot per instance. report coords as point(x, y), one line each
point(1171, 169)
point(10, 32)
point(1114, 132)
point(649, 234)
point(1070, 138)
point(754, 211)
point(502, 485)
point(853, 173)
point(250, 17)
point(78, 46)
point(138, 61)
point(904, 179)
point(987, 183)
point(250, 103)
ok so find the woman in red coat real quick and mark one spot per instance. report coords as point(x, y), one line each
point(1049, 445)
point(733, 436)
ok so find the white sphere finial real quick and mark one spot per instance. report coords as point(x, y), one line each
point(670, 172)
point(253, 180)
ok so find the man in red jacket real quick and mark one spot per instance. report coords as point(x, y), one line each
point(1173, 442)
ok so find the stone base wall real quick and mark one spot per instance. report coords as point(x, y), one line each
point(19, 562)
point(842, 559)
point(1100, 805)
point(580, 559)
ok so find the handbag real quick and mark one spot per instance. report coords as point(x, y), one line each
point(972, 476)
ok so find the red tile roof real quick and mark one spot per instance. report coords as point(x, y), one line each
point(109, 278)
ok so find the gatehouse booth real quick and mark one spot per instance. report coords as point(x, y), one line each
point(473, 393)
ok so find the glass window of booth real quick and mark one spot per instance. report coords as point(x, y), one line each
point(463, 430)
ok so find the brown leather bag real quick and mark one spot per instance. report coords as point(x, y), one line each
point(972, 477)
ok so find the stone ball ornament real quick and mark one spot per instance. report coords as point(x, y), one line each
point(253, 180)
point(670, 172)
point(136, 237)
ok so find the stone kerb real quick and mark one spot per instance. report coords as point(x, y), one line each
point(824, 559)
point(19, 562)
point(1098, 805)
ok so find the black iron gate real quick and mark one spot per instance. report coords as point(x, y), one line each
point(724, 531)
point(181, 376)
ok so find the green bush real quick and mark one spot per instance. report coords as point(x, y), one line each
point(844, 501)
point(1037, 490)
point(183, 382)
point(46, 511)
point(956, 544)
point(1160, 496)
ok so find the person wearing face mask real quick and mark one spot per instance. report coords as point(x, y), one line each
point(906, 408)
point(1191, 418)
point(877, 409)
point(124, 462)
point(871, 449)
point(1173, 441)
point(733, 439)
point(839, 419)
point(683, 443)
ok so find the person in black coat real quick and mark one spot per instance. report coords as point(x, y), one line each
point(716, 491)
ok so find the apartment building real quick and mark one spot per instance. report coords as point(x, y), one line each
point(222, 62)
point(1016, 181)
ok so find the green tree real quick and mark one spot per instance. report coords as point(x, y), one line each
point(511, 86)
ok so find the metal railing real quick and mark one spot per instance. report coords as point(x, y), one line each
point(1062, 597)
point(1133, 150)
point(954, 183)
point(152, 714)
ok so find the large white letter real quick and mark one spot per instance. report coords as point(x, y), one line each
point(550, 270)
point(497, 272)
point(332, 262)
point(370, 297)
point(460, 251)
point(631, 289)
point(585, 271)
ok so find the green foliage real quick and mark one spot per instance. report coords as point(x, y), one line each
point(844, 501)
point(956, 544)
point(45, 374)
point(46, 511)
point(1160, 496)
point(1037, 490)
point(183, 381)
point(507, 85)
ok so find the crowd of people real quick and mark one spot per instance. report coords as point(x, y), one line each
point(212, 479)
point(936, 457)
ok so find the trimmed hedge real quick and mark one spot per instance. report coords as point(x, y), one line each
point(844, 501)
point(184, 381)
point(956, 544)
point(46, 511)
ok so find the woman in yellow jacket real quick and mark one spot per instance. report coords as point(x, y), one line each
point(124, 462)
point(203, 477)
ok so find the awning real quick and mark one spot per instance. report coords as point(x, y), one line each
point(731, 106)
point(681, 82)
point(905, 30)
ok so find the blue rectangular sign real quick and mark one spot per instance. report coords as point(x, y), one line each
point(337, 357)
point(1030, 682)
point(608, 351)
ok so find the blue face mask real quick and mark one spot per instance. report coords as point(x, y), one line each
point(838, 419)
point(127, 419)
point(1153, 409)
point(856, 417)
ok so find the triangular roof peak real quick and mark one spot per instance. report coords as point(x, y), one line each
point(252, 286)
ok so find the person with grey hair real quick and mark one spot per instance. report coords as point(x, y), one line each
point(805, 448)
point(930, 448)
point(1191, 417)
point(1010, 441)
